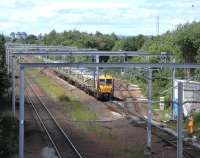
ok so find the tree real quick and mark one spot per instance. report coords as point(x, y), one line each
point(8, 136)
point(2, 51)
point(3, 76)
point(188, 39)
point(31, 39)
point(134, 43)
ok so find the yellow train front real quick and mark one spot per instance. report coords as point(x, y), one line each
point(105, 87)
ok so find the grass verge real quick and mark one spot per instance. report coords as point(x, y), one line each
point(127, 153)
point(78, 112)
point(73, 107)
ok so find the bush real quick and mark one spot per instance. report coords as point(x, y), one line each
point(197, 120)
point(8, 136)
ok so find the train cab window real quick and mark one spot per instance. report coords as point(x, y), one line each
point(108, 81)
point(102, 81)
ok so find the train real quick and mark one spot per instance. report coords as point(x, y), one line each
point(101, 87)
point(105, 87)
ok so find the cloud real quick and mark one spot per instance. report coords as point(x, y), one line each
point(120, 16)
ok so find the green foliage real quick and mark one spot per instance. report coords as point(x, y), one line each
point(188, 39)
point(31, 39)
point(118, 45)
point(3, 76)
point(184, 42)
point(98, 40)
point(2, 51)
point(8, 125)
point(8, 136)
point(129, 153)
point(197, 120)
point(134, 43)
point(74, 107)
point(4, 83)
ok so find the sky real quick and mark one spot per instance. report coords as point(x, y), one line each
point(123, 17)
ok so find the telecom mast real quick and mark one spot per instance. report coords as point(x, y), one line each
point(157, 25)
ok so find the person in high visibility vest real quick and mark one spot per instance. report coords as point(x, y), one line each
point(190, 125)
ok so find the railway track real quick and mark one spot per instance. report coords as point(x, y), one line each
point(170, 140)
point(167, 138)
point(60, 141)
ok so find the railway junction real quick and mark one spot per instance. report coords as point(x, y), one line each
point(25, 52)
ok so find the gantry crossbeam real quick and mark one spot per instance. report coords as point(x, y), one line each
point(114, 65)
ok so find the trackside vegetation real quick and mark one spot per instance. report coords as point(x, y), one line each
point(76, 111)
point(4, 84)
point(183, 42)
point(73, 108)
point(8, 124)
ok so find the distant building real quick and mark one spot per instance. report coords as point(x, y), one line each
point(21, 35)
point(12, 35)
point(18, 35)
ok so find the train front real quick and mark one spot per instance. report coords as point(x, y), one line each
point(105, 87)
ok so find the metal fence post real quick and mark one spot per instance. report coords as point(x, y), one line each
point(149, 110)
point(13, 85)
point(173, 88)
point(180, 121)
point(8, 67)
point(6, 56)
point(97, 68)
point(94, 72)
point(10, 62)
point(21, 114)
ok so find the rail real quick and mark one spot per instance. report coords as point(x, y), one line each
point(54, 120)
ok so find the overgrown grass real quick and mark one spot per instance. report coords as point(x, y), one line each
point(73, 107)
point(127, 153)
point(77, 111)
point(101, 133)
point(81, 113)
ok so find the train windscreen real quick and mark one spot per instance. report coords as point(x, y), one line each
point(102, 81)
point(108, 81)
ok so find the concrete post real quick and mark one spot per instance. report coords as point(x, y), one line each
point(13, 84)
point(180, 121)
point(21, 114)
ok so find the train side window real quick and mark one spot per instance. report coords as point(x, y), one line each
point(108, 81)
